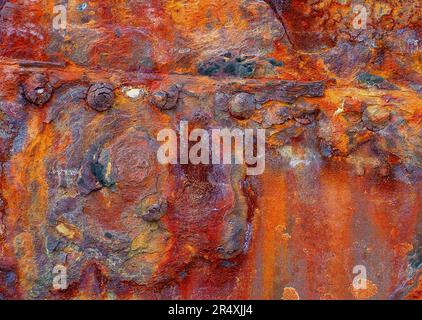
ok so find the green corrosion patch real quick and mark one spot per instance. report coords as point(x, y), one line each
point(276, 63)
point(100, 173)
point(227, 65)
point(371, 80)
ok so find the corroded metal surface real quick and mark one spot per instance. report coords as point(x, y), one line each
point(81, 106)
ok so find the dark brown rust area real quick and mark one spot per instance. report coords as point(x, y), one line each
point(100, 96)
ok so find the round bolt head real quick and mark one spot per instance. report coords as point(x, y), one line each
point(37, 89)
point(242, 105)
point(100, 96)
point(166, 100)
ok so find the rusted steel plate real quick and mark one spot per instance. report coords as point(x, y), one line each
point(87, 210)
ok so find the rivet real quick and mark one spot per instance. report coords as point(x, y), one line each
point(37, 89)
point(242, 105)
point(166, 100)
point(100, 96)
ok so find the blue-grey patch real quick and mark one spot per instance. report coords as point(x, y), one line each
point(108, 235)
point(4, 134)
point(10, 278)
point(225, 65)
point(417, 87)
point(19, 141)
point(372, 80)
point(326, 149)
point(62, 257)
point(52, 243)
point(345, 57)
point(247, 239)
point(227, 264)
point(276, 63)
point(401, 175)
point(82, 6)
point(73, 216)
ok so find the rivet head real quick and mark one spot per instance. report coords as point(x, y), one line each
point(100, 96)
point(166, 100)
point(37, 89)
point(242, 105)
